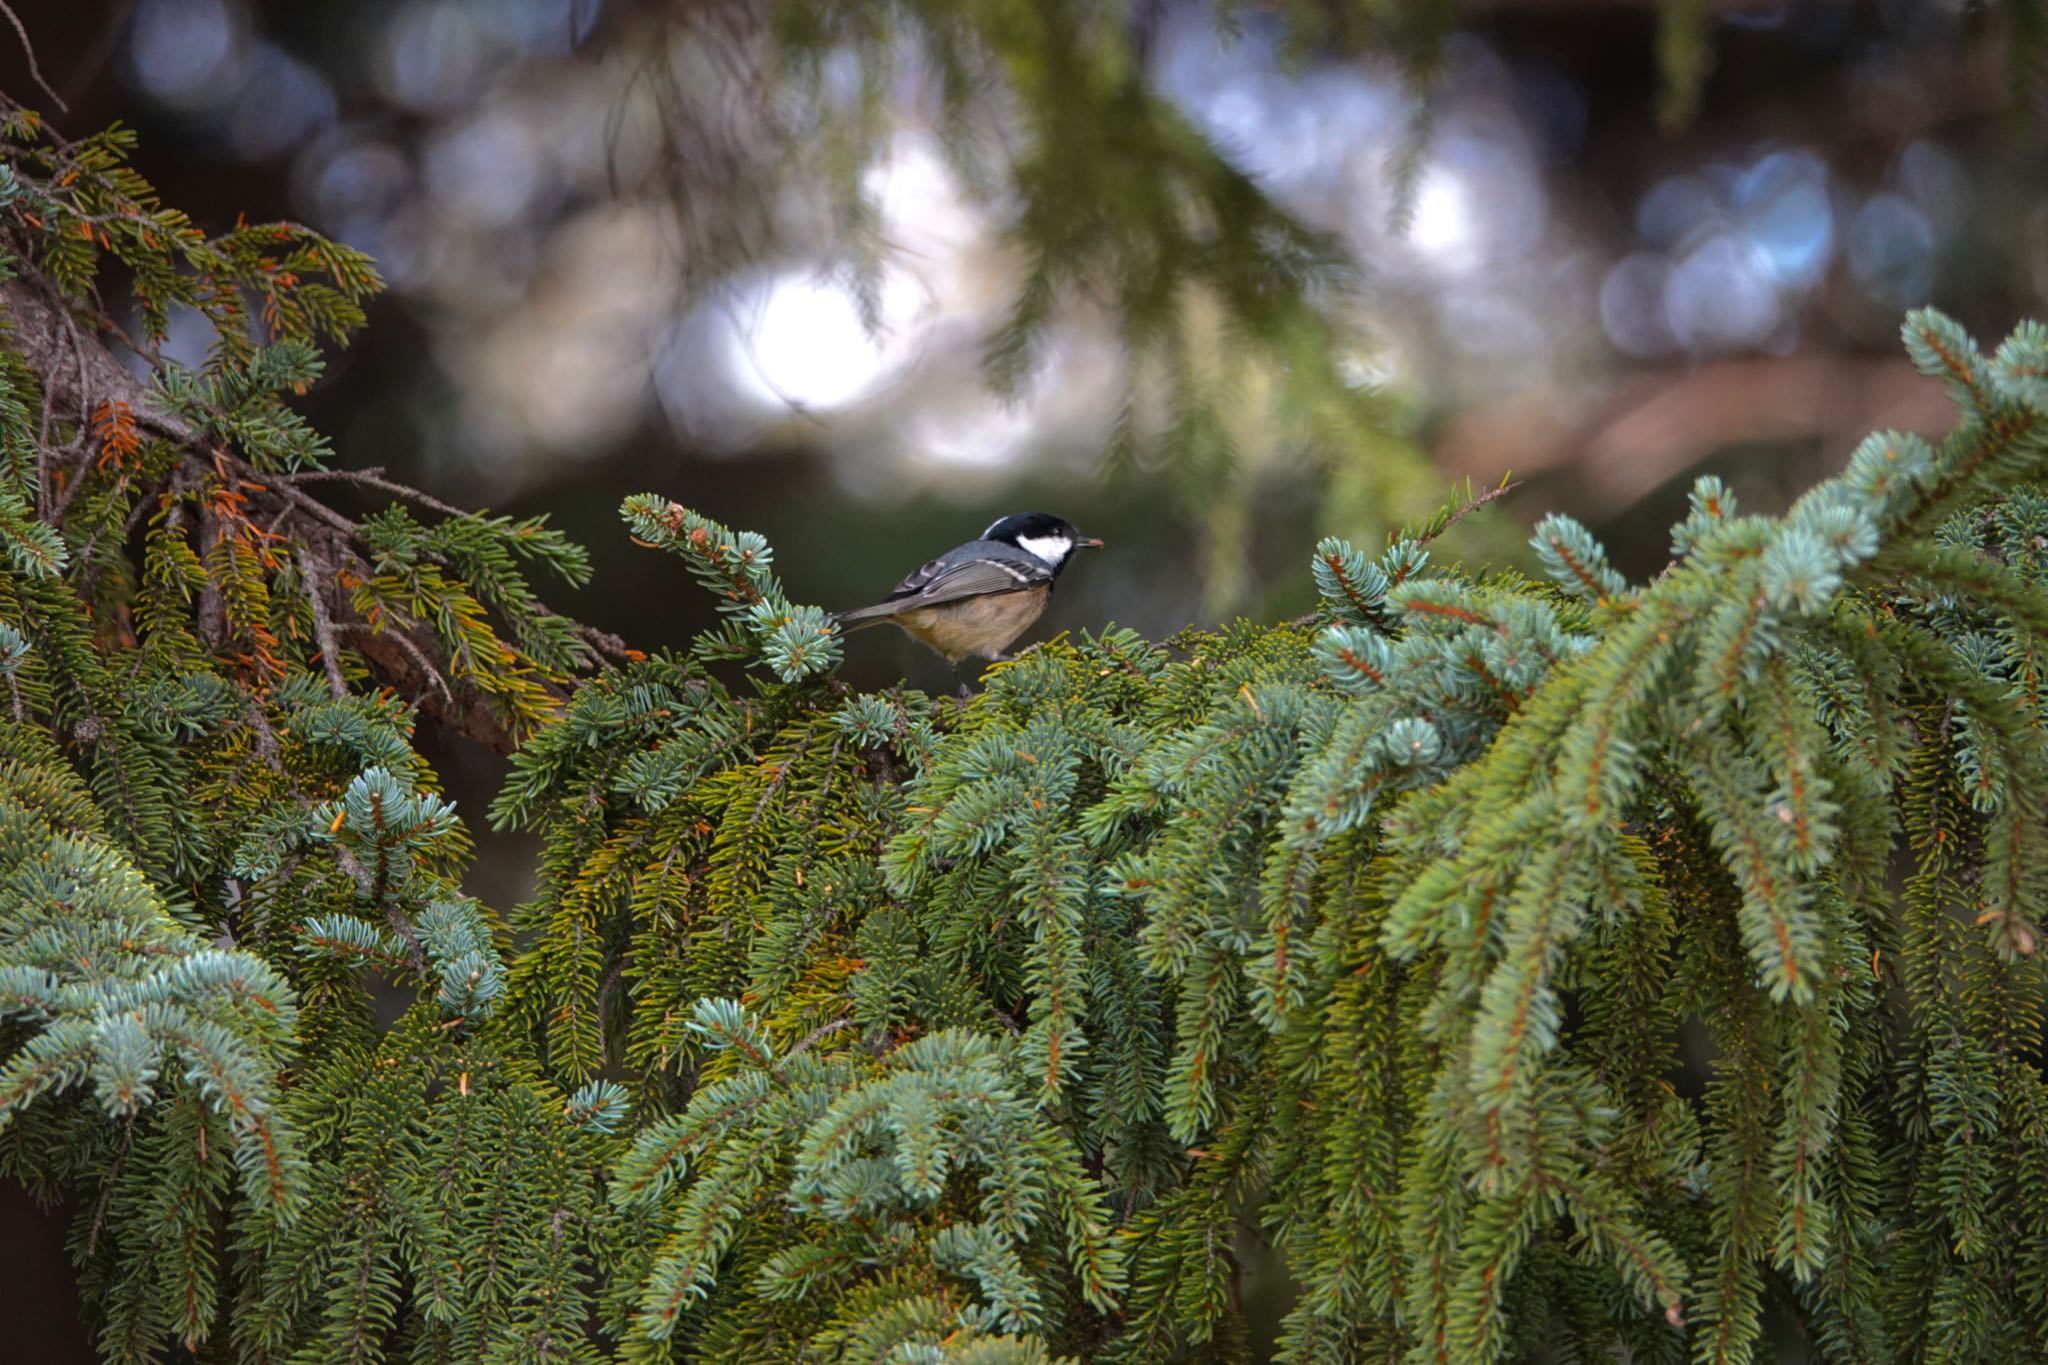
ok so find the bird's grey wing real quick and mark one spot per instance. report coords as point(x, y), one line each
point(971, 571)
point(966, 572)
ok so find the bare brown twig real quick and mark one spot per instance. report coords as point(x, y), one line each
point(34, 70)
point(821, 1031)
point(412, 649)
point(323, 626)
point(1620, 443)
point(78, 444)
point(373, 478)
point(1499, 490)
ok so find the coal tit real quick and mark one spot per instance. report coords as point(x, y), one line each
point(978, 598)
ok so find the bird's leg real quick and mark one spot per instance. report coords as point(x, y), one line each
point(965, 691)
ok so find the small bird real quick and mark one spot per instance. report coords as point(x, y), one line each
point(979, 597)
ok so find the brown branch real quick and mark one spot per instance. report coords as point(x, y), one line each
point(609, 647)
point(372, 478)
point(415, 656)
point(824, 1030)
point(1471, 505)
point(213, 608)
point(1623, 443)
point(323, 625)
point(406, 665)
point(77, 384)
point(312, 507)
point(35, 71)
point(80, 444)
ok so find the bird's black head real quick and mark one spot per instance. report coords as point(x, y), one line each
point(1048, 537)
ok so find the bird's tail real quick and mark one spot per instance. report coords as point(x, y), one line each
point(860, 618)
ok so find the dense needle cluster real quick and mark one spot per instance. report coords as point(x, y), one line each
point(881, 1027)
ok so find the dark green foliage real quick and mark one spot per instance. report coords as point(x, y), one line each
point(845, 1027)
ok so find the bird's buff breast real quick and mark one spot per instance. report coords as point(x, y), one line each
point(984, 626)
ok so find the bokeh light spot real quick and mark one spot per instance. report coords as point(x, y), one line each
point(543, 26)
point(486, 170)
point(802, 343)
point(281, 103)
point(343, 179)
point(1632, 306)
point(1724, 293)
point(1676, 210)
point(1891, 250)
point(1784, 207)
point(1937, 184)
point(433, 55)
point(977, 432)
point(185, 52)
point(917, 198)
point(1442, 227)
point(1478, 203)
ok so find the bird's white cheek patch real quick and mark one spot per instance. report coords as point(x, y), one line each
point(1052, 549)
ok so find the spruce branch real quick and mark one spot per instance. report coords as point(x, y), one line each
point(80, 376)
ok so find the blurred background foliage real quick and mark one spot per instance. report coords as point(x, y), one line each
point(1209, 279)
point(1213, 280)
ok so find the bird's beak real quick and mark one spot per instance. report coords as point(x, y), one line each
point(1088, 543)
